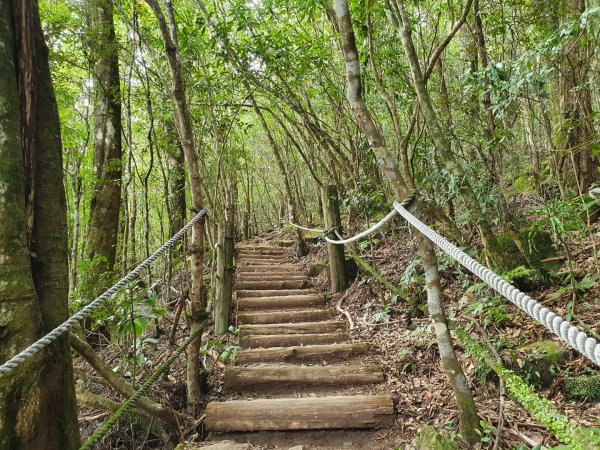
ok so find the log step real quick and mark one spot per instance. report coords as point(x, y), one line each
point(278, 268)
point(241, 378)
point(273, 284)
point(288, 340)
point(277, 317)
point(364, 411)
point(288, 301)
point(292, 328)
point(300, 354)
point(286, 277)
point(264, 252)
point(271, 276)
point(262, 261)
point(273, 292)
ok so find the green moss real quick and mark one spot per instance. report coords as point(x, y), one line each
point(313, 237)
point(582, 388)
point(564, 429)
point(285, 242)
point(540, 246)
point(539, 362)
point(430, 439)
point(318, 268)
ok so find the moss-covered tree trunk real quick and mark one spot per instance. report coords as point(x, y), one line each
point(106, 198)
point(331, 213)
point(37, 401)
point(468, 411)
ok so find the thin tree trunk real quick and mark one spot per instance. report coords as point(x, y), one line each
point(186, 135)
point(443, 145)
point(164, 414)
point(301, 243)
point(468, 412)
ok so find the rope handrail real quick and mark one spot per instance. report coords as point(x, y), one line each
point(112, 420)
point(341, 240)
point(362, 234)
point(312, 230)
point(567, 332)
point(7, 367)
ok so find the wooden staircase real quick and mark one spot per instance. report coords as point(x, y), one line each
point(290, 347)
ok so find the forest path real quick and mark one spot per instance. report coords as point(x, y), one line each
point(298, 369)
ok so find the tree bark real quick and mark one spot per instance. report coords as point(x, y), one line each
point(37, 401)
point(224, 279)
point(106, 198)
point(186, 135)
point(468, 412)
point(331, 213)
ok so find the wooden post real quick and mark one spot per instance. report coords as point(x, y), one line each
point(223, 280)
point(331, 213)
point(229, 267)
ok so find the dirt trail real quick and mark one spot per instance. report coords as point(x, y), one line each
point(299, 380)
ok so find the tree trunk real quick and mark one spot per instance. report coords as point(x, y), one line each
point(164, 414)
point(186, 136)
point(37, 401)
point(224, 278)
point(331, 213)
point(468, 412)
point(106, 198)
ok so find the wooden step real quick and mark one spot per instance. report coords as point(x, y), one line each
point(288, 301)
point(242, 378)
point(279, 268)
point(265, 260)
point(292, 328)
point(273, 292)
point(289, 316)
point(272, 284)
point(288, 340)
point(261, 252)
point(310, 413)
point(300, 354)
point(272, 277)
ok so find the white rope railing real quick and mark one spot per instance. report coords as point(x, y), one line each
point(360, 235)
point(311, 230)
point(567, 332)
point(10, 365)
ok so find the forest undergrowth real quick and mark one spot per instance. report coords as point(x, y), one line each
point(410, 356)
